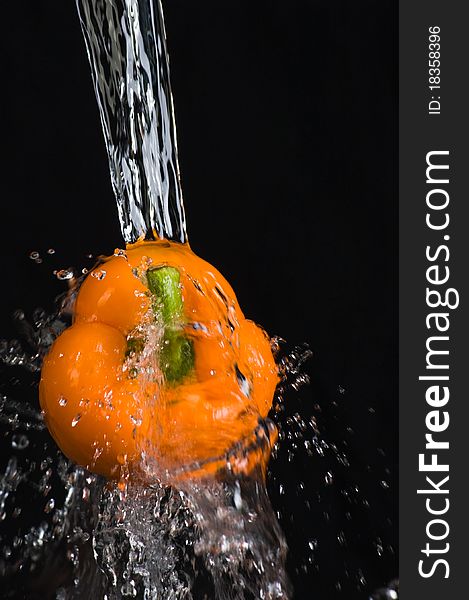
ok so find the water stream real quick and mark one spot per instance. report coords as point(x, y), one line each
point(126, 44)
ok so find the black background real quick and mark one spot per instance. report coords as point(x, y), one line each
point(286, 117)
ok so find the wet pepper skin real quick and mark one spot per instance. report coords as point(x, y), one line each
point(115, 400)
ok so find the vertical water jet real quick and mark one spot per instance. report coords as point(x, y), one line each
point(126, 45)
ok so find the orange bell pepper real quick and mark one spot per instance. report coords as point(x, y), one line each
point(160, 370)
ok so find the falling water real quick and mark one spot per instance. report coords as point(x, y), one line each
point(126, 45)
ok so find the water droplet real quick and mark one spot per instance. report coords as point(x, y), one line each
point(96, 454)
point(379, 547)
point(100, 274)
point(49, 505)
point(237, 499)
point(19, 442)
point(34, 255)
point(122, 459)
point(76, 419)
point(147, 261)
point(120, 252)
point(51, 251)
point(361, 578)
point(63, 401)
point(64, 274)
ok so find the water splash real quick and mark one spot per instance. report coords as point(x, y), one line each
point(215, 539)
point(84, 538)
point(126, 44)
point(128, 540)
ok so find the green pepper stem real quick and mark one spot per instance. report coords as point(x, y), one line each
point(164, 284)
point(177, 354)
